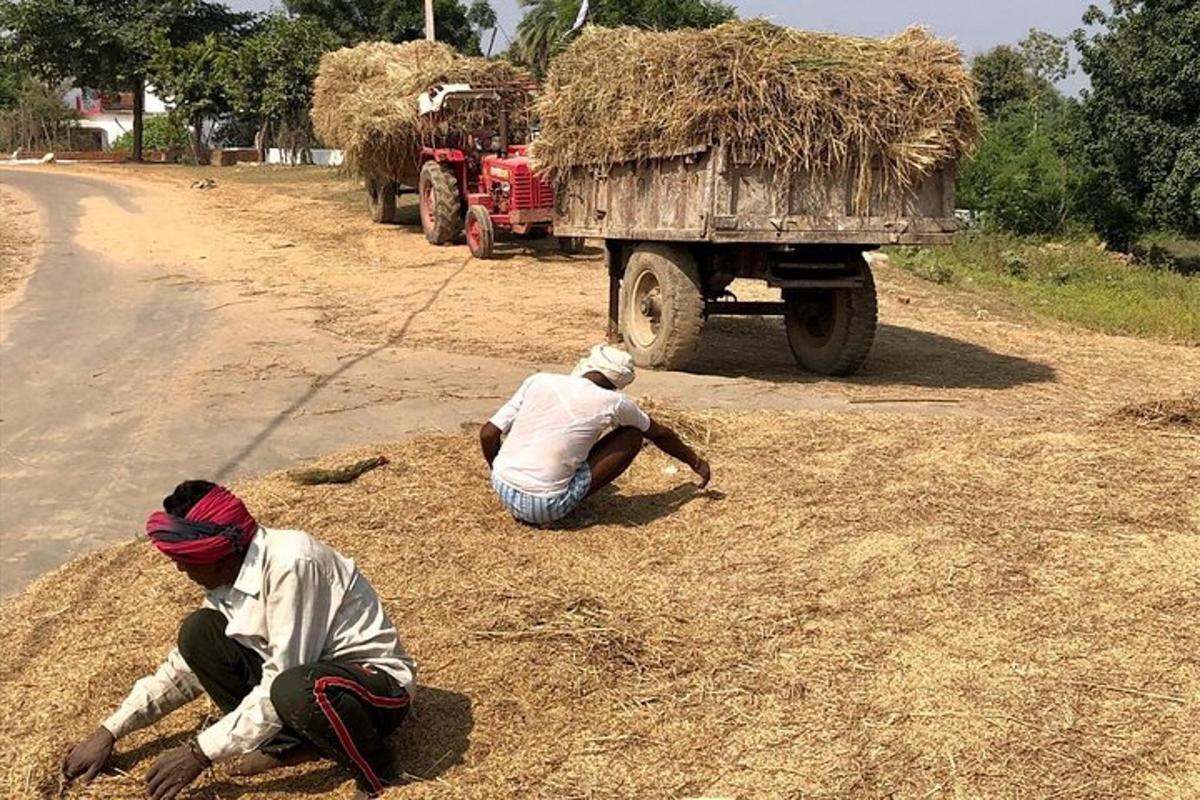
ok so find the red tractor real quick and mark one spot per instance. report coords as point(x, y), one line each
point(486, 184)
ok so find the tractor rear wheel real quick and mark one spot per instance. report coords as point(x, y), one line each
point(831, 330)
point(662, 306)
point(441, 204)
point(381, 197)
point(481, 234)
point(571, 245)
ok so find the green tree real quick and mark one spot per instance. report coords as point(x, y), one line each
point(1026, 177)
point(107, 44)
point(1143, 109)
point(545, 28)
point(356, 21)
point(189, 80)
point(1002, 80)
point(270, 77)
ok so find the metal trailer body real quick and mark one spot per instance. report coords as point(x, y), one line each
point(679, 230)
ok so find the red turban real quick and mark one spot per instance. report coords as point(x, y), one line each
point(217, 527)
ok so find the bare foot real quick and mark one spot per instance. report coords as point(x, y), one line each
point(258, 762)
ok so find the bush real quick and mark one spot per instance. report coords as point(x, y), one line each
point(1024, 179)
point(160, 133)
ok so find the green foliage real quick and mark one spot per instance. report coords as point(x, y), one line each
point(1143, 108)
point(271, 74)
point(163, 132)
point(1002, 80)
point(1074, 281)
point(188, 78)
point(355, 21)
point(544, 29)
point(106, 44)
point(10, 85)
point(1025, 177)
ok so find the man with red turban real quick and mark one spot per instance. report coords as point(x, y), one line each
point(292, 645)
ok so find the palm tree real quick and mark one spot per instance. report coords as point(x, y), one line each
point(542, 32)
point(545, 28)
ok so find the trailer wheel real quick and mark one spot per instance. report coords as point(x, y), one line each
point(662, 307)
point(571, 245)
point(381, 197)
point(441, 205)
point(831, 330)
point(481, 234)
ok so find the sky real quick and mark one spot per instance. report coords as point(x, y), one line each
point(977, 25)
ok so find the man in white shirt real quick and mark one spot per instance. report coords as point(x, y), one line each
point(292, 645)
point(547, 446)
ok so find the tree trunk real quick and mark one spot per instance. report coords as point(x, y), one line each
point(261, 140)
point(139, 112)
point(194, 129)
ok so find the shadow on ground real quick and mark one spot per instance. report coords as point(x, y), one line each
point(757, 348)
point(610, 507)
point(431, 741)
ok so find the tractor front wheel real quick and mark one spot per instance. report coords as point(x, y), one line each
point(381, 197)
point(481, 234)
point(441, 204)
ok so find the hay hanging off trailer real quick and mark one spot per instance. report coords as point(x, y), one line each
point(881, 109)
point(365, 102)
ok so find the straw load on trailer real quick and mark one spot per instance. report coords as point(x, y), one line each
point(753, 151)
point(366, 103)
point(891, 109)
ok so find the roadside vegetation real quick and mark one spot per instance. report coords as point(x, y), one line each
point(1075, 280)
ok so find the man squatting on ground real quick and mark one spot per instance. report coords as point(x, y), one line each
point(292, 644)
point(545, 446)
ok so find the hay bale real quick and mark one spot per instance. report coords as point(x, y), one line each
point(780, 97)
point(365, 102)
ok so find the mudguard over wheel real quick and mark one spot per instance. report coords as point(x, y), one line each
point(481, 234)
point(831, 330)
point(662, 306)
point(441, 204)
point(381, 197)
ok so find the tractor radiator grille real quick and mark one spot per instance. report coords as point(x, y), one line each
point(530, 192)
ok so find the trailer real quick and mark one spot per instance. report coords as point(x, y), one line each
point(678, 230)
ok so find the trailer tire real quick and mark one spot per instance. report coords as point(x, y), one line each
point(831, 331)
point(441, 204)
point(381, 198)
point(662, 306)
point(481, 234)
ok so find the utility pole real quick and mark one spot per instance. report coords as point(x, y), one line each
point(430, 34)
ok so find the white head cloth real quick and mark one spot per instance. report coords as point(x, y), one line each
point(614, 364)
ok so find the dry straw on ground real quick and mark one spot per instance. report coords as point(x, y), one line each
point(1182, 413)
point(365, 102)
point(776, 96)
point(861, 607)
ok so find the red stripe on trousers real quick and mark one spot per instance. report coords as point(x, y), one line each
point(319, 692)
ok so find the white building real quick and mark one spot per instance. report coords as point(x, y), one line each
point(112, 113)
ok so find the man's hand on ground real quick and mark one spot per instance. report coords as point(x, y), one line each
point(88, 757)
point(703, 470)
point(174, 771)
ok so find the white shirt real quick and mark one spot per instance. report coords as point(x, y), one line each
point(296, 601)
point(552, 423)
